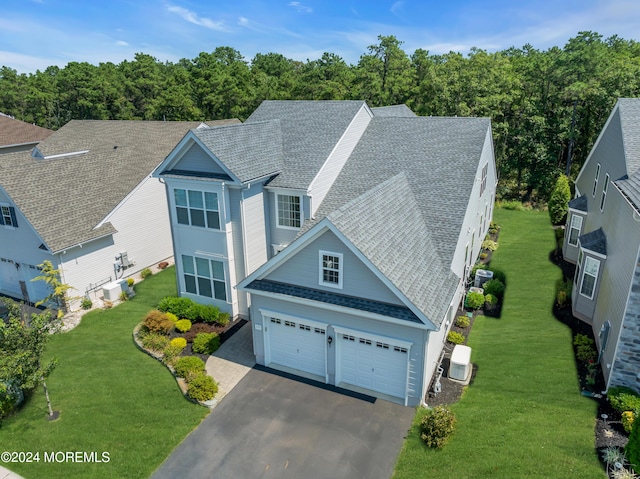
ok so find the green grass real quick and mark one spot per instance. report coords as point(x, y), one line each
point(523, 416)
point(112, 398)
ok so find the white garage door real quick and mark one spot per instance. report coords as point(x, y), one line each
point(373, 363)
point(297, 344)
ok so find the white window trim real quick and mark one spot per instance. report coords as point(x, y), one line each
point(572, 226)
point(4, 221)
point(321, 281)
point(204, 209)
point(605, 187)
point(595, 181)
point(211, 279)
point(299, 196)
point(583, 273)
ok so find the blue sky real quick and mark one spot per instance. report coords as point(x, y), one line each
point(37, 33)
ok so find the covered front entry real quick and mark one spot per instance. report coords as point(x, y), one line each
point(296, 343)
point(372, 362)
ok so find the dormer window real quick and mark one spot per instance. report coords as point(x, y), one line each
point(331, 269)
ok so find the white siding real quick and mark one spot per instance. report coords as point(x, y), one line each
point(332, 167)
point(238, 236)
point(255, 243)
point(302, 269)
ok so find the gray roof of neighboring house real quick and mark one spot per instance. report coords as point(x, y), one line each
point(65, 198)
point(249, 150)
point(371, 306)
point(310, 130)
point(385, 224)
point(394, 111)
point(15, 132)
point(440, 157)
point(595, 241)
point(579, 203)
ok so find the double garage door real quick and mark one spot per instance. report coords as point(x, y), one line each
point(371, 362)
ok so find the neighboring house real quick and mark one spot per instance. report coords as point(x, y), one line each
point(84, 199)
point(16, 135)
point(603, 240)
point(344, 233)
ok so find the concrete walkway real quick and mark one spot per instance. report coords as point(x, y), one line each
point(232, 361)
point(7, 474)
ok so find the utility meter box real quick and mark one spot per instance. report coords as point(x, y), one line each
point(460, 364)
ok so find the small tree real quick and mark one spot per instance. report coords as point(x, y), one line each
point(559, 200)
point(58, 294)
point(21, 348)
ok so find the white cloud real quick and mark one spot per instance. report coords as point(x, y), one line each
point(300, 7)
point(397, 7)
point(194, 18)
point(121, 43)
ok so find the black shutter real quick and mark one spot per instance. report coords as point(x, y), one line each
point(14, 221)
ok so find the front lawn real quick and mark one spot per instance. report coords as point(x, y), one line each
point(112, 397)
point(523, 416)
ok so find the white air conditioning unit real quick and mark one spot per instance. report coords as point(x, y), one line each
point(460, 364)
point(482, 276)
point(111, 291)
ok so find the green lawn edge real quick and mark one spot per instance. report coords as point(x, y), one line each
point(112, 397)
point(523, 416)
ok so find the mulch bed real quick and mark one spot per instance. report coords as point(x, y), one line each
point(224, 332)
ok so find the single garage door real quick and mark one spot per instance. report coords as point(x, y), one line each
point(373, 362)
point(297, 344)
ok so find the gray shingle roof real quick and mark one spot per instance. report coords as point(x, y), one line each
point(371, 306)
point(65, 198)
point(385, 224)
point(16, 132)
point(249, 150)
point(310, 130)
point(439, 156)
point(579, 203)
point(595, 241)
point(394, 111)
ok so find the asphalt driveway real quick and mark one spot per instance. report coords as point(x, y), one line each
point(273, 426)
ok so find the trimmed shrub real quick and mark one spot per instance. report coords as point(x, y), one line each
point(474, 300)
point(183, 325)
point(130, 282)
point(436, 426)
point(188, 367)
point(623, 399)
point(455, 337)
point(490, 299)
point(179, 342)
point(202, 388)
point(633, 446)
point(172, 317)
point(206, 313)
point(205, 343)
point(559, 200)
point(463, 322)
point(145, 273)
point(175, 305)
point(187, 309)
point(489, 245)
point(628, 418)
point(196, 329)
point(157, 322)
point(499, 275)
point(155, 341)
point(86, 303)
point(494, 287)
point(170, 353)
point(223, 319)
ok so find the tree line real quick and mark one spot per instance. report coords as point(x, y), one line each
point(547, 106)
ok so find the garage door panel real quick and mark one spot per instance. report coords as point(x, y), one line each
point(373, 365)
point(297, 345)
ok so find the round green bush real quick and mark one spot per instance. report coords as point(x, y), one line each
point(623, 399)
point(223, 319)
point(202, 388)
point(205, 343)
point(455, 337)
point(145, 273)
point(474, 300)
point(175, 305)
point(130, 282)
point(436, 426)
point(463, 322)
point(172, 317)
point(179, 342)
point(490, 299)
point(188, 367)
point(499, 275)
point(494, 287)
point(183, 325)
point(86, 303)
